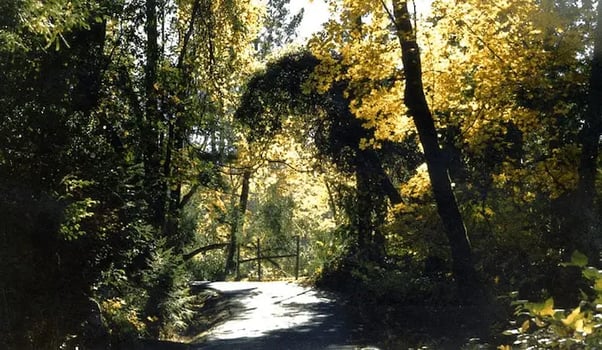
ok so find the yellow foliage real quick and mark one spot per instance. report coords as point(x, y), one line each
point(418, 186)
point(574, 317)
point(225, 56)
point(481, 60)
point(525, 326)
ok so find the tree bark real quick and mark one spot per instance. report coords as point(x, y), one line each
point(588, 166)
point(153, 183)
point(381, 176)
point(415, 101)
point(239, 213)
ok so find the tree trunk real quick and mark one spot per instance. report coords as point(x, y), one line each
point(381, 177)
point(153, 183)
point(588, 166)
point(415, 101)
point(363, 210)
point(237, 221)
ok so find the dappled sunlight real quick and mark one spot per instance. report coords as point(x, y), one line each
point(269, 306)
point(280, 315)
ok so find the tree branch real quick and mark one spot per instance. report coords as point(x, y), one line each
point(204, 249)
point(186, 199)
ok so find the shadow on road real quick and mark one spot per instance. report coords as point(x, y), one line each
point(327, 329)
point(325, 322)
point(263, 318)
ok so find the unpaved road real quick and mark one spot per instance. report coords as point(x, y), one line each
point(279, 315)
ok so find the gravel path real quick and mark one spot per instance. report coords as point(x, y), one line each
point(279, 315)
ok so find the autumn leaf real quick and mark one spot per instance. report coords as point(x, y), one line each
point(575, 318)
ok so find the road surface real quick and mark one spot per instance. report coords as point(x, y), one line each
point(279, 315)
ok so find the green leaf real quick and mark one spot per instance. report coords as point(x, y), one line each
point(542, 309)
point(591, 273)
point(598, 285)
point(578, 259)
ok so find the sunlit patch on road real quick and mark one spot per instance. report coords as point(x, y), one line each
point(279, 315)
point(269, 306)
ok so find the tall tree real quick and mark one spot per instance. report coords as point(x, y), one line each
point(415, 100)
point(150, 134)
point(590, 142)
point(278, 97)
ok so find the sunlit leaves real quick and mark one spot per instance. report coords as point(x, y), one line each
point(358, 48)
point(500, 63)
point(487, 65)
point(222, 47)
point(51, 19)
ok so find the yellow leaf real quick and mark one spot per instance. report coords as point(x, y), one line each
point(525, 326)
point(547, 309)
point(539, 322)
point(598, 285)
point(588, 329)
point(579, 325)
point(574, 316)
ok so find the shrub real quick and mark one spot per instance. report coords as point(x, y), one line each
point(168, 304)
point(542, 326)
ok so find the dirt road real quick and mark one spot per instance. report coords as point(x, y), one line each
point(279, 315)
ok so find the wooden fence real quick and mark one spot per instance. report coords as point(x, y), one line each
point(270, 258)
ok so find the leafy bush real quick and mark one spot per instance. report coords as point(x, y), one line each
point(123, 320)
point(542, 326)
point(153, 303)
point(207, 267)
point(168, 303)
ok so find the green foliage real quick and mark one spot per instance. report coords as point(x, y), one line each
point(98, 156)
point(52, 19)
point(77, 210)
point(324, 250)
point(123, 320)
point(167, 308)
point(543, 326)
point(207, 267)
point(154, 302)
point(272, 221)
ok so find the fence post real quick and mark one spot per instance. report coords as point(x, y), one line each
point(258, 260)
point(297, 260)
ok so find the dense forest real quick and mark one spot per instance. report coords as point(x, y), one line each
point(438, 167)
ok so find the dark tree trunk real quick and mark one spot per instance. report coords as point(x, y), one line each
point(373, 188)
point(415, 100)
point(380, 176)
point(588, 166)
point(174, 143)
point(363, 209)
point(237, 220)
point(153, 182)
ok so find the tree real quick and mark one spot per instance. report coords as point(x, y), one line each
point(105, 128)
point(278, 98)
point(415, 100)
point(279, 28)
point(374, 101)
point(589, 138)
